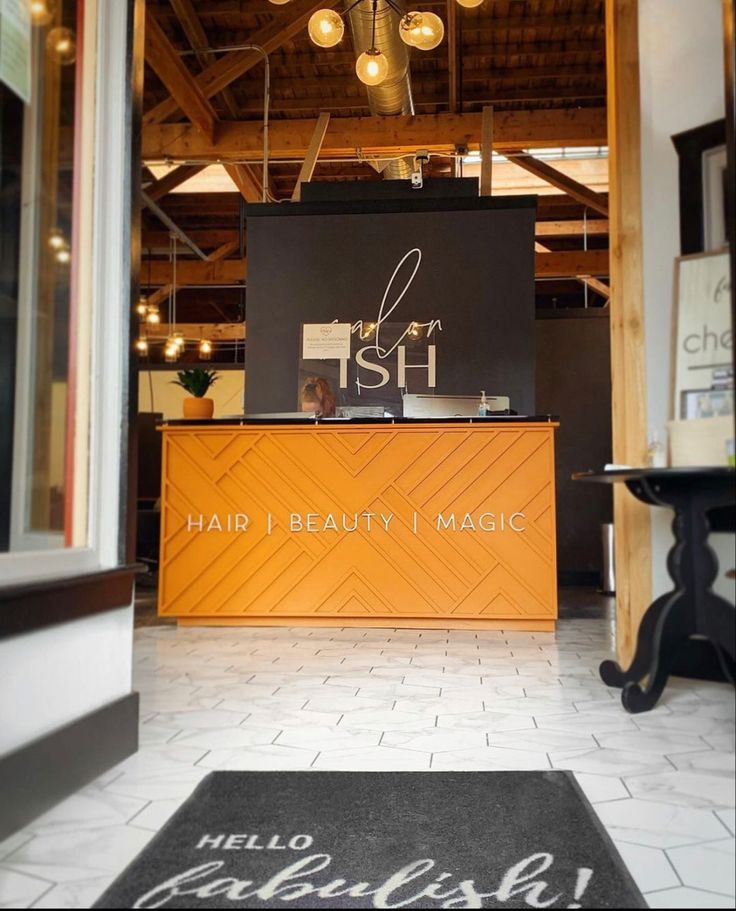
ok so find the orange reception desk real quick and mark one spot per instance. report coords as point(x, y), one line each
point(398, 524)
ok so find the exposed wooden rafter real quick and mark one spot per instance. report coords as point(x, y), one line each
point(246, 182)
point(310, 159)
point(243, 140)
point(173, 179)
point(232, 65)
point(166, 62)
point(556, 178)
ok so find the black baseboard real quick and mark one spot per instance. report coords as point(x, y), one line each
point(39, 775)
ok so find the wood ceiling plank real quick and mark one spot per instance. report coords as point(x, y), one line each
point(194, 272)
point(571, 263)
point(231, 66)
point(546, 172)
point(165, 61)
point(215, 332)
point(197, 38)
point(243, 140)
point(593, 227)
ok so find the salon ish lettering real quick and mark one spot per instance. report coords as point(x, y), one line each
point(420, 883)
point(365, 522)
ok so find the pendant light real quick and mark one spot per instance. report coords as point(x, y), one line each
point(279, 2)
point(205, 349)
point(141, 345)
point(42, 11)
point(469, 4)
point(425, 31)
point(372, 67)
point(326, 28)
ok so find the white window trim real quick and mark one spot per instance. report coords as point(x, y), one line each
point(110, 284)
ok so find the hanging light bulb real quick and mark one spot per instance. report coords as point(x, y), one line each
point(469, 4)
point(56, 239)
point(141, 345)
point(415, 330)
point(63, 255)
point(372, 67)
point(205, 349)
point(326, 28)
point(153, 316)
point(42, 11)
point(423, 30)
point(61, 45)
point(367, 331)
point(409, 28)
point(141, 308)
point(171, 350)
point(279, 2)
point(178, 339)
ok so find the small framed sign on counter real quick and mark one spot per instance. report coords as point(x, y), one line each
point(326, 341)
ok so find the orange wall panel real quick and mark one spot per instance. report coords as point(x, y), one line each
point(257, 524)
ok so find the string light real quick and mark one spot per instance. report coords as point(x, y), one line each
point(61, 45)
point(56, 239)
point(141, 345)
point(42, 11)
point(153, 315)
point(171, 350)
point(141, 308)
point(63, 255)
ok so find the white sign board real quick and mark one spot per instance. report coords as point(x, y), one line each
point(703, 366)
point(15, 47)
point(326, 341)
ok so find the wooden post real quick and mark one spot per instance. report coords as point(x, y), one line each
point(310, 159)
point(486, 151)
point(631, 518)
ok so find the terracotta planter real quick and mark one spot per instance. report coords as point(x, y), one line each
point(198, 408)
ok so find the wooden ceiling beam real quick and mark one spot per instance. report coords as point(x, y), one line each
point(158, 272)
point(546, 172)
point(215, 332)
point(243, 141)
point(232, 65)
point(197, 38)
point(593, 227)
point(203, 237)
point(312, 154)
point(571, 263)
point(246, 182)
point(172, 180)
point(163, 58)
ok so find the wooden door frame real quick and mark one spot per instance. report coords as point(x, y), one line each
point(632, 520)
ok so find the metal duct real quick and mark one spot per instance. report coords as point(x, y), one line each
point(393, 96)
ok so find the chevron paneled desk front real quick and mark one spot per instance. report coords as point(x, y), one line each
point(395, 525)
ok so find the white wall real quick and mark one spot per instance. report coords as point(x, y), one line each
point(681, 72)
point(156, 392)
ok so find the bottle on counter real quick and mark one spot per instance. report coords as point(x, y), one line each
point(483, 407)
point(656, 452)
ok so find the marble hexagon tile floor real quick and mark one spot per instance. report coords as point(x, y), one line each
point(662, 782)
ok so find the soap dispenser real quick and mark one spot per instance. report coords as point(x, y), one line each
point(483, 407)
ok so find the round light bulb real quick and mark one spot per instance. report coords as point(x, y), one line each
point(279, 2)
point(64, 256)
point(171, 351)
point(42, 11)
point(141, 308)
point(409, 28)
point(57, 240)
point(178, 340)
point(372, 67)
point(469, 4)
point(426, 30)
point(61, 45)
point(153, 316)
point(326, 28)
point(141, 346)
point(205, 349)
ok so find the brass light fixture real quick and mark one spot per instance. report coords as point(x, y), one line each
point(42, 11)
point(422, 30)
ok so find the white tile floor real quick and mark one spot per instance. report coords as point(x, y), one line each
point(661, 782)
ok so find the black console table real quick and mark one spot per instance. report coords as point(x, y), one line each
point(692, 609)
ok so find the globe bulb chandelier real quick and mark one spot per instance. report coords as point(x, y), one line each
point(422, 30)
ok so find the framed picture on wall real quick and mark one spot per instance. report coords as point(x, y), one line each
point(702, 337)
point(702, 186)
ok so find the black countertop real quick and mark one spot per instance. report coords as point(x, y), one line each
point(340, 422)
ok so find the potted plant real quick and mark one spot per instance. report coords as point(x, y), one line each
point(196, 382)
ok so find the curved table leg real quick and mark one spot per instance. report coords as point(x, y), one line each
point(669, 637)
point(647, 645)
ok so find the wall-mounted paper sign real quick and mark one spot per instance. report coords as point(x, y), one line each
point(15, 47)
point(326, 341)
